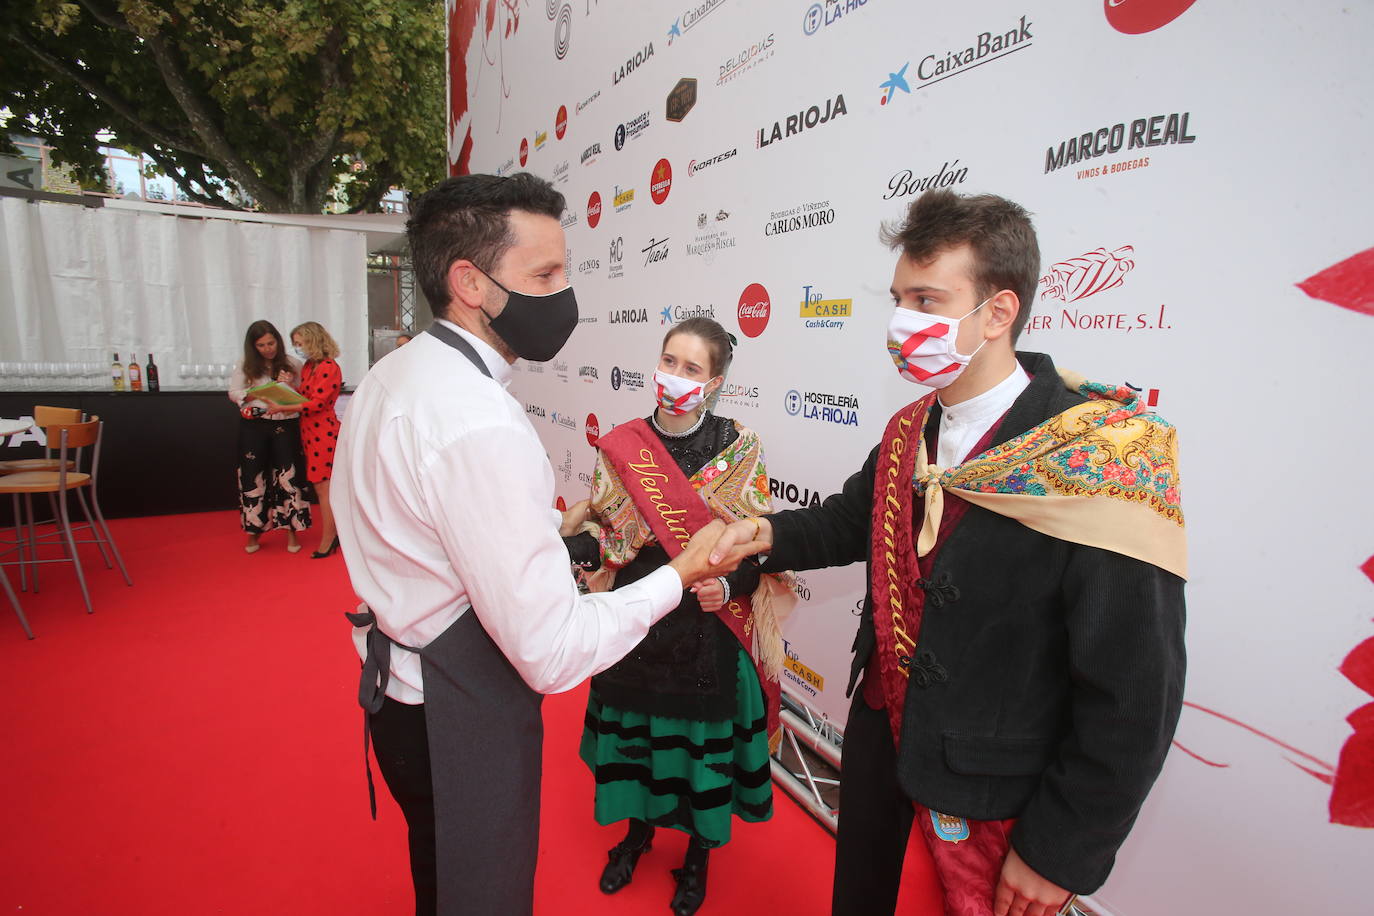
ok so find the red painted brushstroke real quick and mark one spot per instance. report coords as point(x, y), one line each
point(462, 25)
point(1349, 284)
point(1267, 737)
point(1197, 756)
point(1352, 794)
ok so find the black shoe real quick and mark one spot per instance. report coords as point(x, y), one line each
point(321, 554)
point(691, 889)
point(621, 867)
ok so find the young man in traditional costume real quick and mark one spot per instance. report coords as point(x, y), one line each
point(1021, 644)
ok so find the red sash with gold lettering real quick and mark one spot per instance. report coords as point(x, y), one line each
point(674, 512)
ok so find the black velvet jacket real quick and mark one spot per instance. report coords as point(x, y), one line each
point(1064, 666)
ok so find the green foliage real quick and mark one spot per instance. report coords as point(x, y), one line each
point(264, 103)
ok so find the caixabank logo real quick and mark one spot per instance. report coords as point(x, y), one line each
point(691, 17)
point(1097, 273)
point(1136, 17)
point(820, 16)
point(755, 307)
point(1132, 138)
point(676, 314)
point(985, 48)
point(823, 407)
point(822, 312)
point(562, 419)
point(783, 491)
point(806, 119)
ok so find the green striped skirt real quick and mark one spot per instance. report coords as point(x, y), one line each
point(682, 773)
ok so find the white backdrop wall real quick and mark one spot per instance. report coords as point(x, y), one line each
point(1172, 256)
point(78, 284)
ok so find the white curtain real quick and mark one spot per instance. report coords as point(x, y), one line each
point(78, 284)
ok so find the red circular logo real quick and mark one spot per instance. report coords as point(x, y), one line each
point(1136, 17)
point(524, 150)
point(561, 504)
point(594, 209)
point(661, 181)
point(593, 429)
point(754, 308)
point(560, 122)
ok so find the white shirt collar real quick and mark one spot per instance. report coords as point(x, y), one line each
point(496, 363)
point(989, 405)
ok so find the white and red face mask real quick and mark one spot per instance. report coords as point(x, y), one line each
point(923, 346)
point(678, 395)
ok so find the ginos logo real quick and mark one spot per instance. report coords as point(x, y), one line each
point(524, 150)
point(560, 122)
point(594, 209)
point(1136, 17)
point(593, 429)
point(661, 181)
point(754, 308)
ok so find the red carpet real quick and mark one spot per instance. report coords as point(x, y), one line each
point(195, 747)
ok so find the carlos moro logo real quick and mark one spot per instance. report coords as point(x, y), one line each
point(823, 407)
point(630, 381)
point(820, 312)
point(655, 252)
point(1088, 274)
point(590, 153)
point(632, 64)
point(1136, 17)
point(631, 130)
point(560, 122)
point(819, 16)
point(905, 182)
point(630, 316)
point(985, 49)
point(1142, 133)
point(593, 209)
point(802, 120)
point(744, 60)
point(690, 17)
point(661, 181)
point(593, 427)
point(624, 199)
point(697, 165)
point(616, 258)
point(791, 493)
point(754, 309)
point(806, 216)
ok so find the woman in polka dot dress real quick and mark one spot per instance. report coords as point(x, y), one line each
point(321, 381)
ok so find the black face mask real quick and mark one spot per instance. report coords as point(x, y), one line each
point(535, 327)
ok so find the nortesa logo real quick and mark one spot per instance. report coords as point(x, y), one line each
point(1136, 17)
point(594, 209)
point(754, 309)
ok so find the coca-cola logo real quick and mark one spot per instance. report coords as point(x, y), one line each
point(754, 309)
point(593, 429)
point(661, 181)
point(561, 504)
point(524, 150)
point(1136, 17)
point(560, 122)
point(594, 209)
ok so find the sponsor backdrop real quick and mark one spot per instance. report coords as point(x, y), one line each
point(1196, 176)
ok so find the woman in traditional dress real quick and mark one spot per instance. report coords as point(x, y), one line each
point(269, 472)
point(678, 733)
point(321, 382)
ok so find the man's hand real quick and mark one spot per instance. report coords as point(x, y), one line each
point(1022, 892)
point(750, 531)
point(710, 595)
point(573, 517)
point(704, 558)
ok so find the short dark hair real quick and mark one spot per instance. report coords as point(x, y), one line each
point(1006, 254)
point(718, 341)
point(468, 217)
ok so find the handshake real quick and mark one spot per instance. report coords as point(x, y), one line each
point(718, 549)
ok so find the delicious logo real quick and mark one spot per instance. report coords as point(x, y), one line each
point(823, 407)
point(681, 99)
point(696, 165)
point(795, 124)
point(737, 395)
point(587, 101)
point(587, 374)
point(616, 261)
point(690, 17)
point(1136, 17)
point(675, 314)
point(593, 209)
point(631, 130)
point(593, 429)
point(820, 312)
point(1143, 133)
point(589, 265)
point(560, 172)
point(754, 309)
point(524, 151)
point(630, 381)
point(540, 139)
point(590, 153)
point(661, 181)
point(630, 316)
point(905, 182)
point(985, 49)
point(655, 252)
point(1088, 274)
point(623, 200)
point(807, 216)
point(563, 420)
point(894, 82)
point(745, 60)
point(633, 64)
point(560, 122)
point(818, 17)
point(791, 493)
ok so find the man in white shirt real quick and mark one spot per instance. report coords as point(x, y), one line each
point(443, 496)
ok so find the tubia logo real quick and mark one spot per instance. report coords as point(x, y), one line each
point(587, 101)
point(696, 165)
point(824, 313)
point(839, 409)
point(593, 429)
point(630, 316)
point(655, 252)
point(633, 64)
point(630, 130)
point(807, 216)
point(791, 493)
point(746, 60)
point(681, 100)
point(623, 200)
point(560, 122)
point(661, 181)
point(587, 374)
point(593, 209)
point(905, 183)
point(590, 153)
point(1136, 17)
point(1159, 130)
point(616, 267)
point(986, 48)
point(524, 151)
point(754, 309)
point(795, 124)
point(817, 16)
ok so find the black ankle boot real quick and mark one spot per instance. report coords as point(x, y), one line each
point(691, 888)
point(621, 867)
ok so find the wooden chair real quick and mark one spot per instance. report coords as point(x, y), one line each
point(43, 417)
point(69, 440)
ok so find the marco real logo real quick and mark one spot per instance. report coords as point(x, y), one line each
point(984, 49)
point(590, 153)
point(754, 310)
point(821, 312)
point(1140, 134)
point(807, 119)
